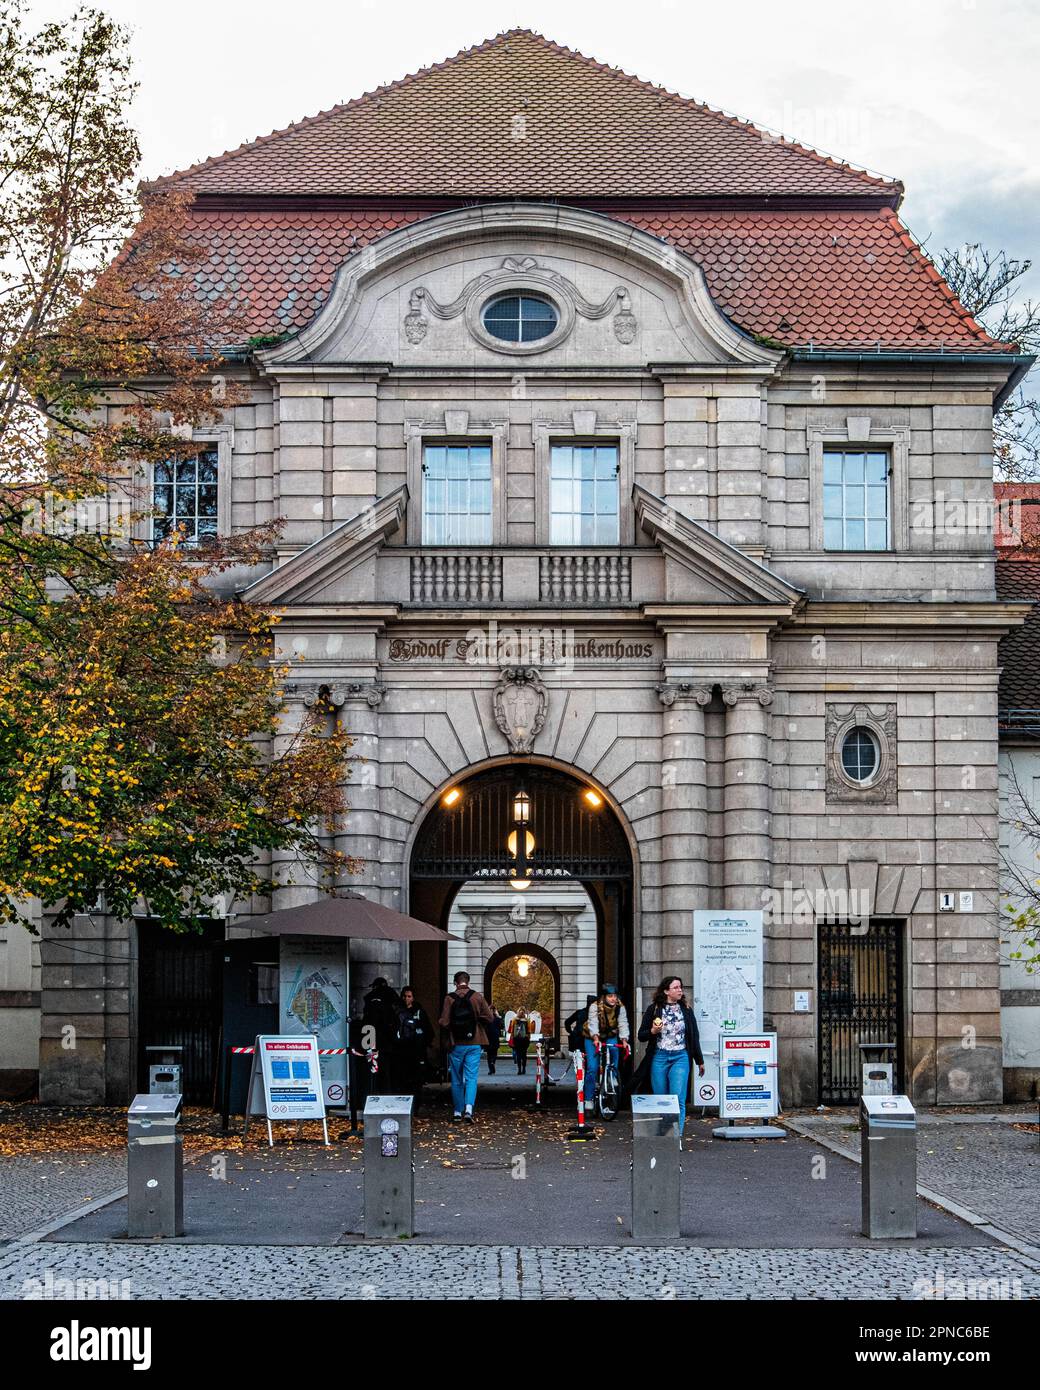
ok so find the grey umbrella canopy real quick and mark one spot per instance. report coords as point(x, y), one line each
point(348, 914)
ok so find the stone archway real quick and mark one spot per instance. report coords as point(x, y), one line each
point(549, 1009)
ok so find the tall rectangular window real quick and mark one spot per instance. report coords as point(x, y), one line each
point(855, 499)
point(583, 506)
point(184, 494)
point(456, 494)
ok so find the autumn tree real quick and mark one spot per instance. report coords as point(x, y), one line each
point(143, 756)
point(988, 284)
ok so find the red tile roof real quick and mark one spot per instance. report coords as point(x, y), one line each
point(839, 279)
point(522, 117)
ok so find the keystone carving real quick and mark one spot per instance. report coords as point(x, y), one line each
point(521, 703)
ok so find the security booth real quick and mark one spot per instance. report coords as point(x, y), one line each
point(888, 1175)
point(656, 1167)
point(877, 1068)
point(155, 1167)
point(389, 1171)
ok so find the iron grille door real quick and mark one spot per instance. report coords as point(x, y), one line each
point(860, 997)
point(179, 1002)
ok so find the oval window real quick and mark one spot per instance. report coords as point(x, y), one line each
point(860, 755)
point(520, 318)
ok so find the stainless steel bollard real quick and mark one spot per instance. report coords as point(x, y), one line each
point(655, 1167)
point(888, 1146)
point(155, 1167)
point(389, 1173)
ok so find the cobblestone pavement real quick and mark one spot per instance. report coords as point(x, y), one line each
point(36, 1190)
point(988, 1164)
point(91, 1271)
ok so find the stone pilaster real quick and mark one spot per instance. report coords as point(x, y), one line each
point(746, 801)
point(684, 824)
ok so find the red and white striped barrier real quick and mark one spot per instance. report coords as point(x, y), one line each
point(538, 1065)
point(579, 1072)
point(322, 1051)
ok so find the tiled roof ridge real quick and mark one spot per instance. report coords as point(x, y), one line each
point(874, 181)
point(936, 278)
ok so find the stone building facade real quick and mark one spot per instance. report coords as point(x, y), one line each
point(623, 468)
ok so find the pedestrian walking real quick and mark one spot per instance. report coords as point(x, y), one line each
point(465, 1015)
point(520, 1040)
point(673, 1046)
point(411, 1045)
point(494, 1032)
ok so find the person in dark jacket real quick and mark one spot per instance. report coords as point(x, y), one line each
point(670, 1031)
point(494, 1037)
point(411, 1044)
point(379, 1030)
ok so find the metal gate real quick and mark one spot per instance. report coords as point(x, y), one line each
point(860, 1001)
point(179, 1002)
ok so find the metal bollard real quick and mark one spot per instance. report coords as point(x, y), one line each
point(888, 1147)
point(154, 1167)
point(389, 1173)
point(655, 1167)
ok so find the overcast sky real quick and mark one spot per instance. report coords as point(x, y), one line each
point(939, 93)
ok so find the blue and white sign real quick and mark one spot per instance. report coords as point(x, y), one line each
point(727, 987)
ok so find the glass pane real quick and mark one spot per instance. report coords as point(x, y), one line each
point(832, 501)
point(853, 468)
point(207, 501)
point(832, 468)
point(854, 535)
point(607, 532)
point(164, 472)
point(162, 497)
point(561, 461)
point(855, 501)
point(606, 462)
point(434, 460)
point(186, 470)
point(832, 537)
point(877, 535)
point(208, 466)
point(538, 309)
point(561, 496)
point(877, 501)
point(877, 468)
point(561, 529)
point(606, 498)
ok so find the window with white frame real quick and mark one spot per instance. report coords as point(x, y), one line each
point(456, 491)
point(856, 507)
point(184, 496)
point(583, 494)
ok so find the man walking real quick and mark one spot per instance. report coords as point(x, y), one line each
point(465, 1015)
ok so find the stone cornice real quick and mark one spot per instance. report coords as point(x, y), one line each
point(882, 616)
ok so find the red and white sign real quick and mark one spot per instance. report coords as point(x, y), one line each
point(748, 1076)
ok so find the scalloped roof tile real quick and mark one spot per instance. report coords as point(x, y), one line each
point(520, 116)
point(852, 279)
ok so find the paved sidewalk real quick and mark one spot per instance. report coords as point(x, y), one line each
point(37, 1190)
point(985, 1162)
point(44, 1270)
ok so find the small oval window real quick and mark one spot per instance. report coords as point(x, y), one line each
point(860, 755)
point(520, 318)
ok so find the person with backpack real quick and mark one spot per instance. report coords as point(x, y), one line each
point(606, 1026)
point(673, 1046)
point(465, 1015)
point(520, 1040)
point(412, 1041)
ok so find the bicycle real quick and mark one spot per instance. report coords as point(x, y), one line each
point(608, 1082)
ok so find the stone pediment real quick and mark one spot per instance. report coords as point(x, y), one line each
point(704, 569)
point(305, 576)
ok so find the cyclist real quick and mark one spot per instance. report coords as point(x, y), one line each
point(606, 1027)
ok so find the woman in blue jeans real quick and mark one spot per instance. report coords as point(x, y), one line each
point(670, 1031)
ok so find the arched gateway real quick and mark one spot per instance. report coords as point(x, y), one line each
point(527, 826)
